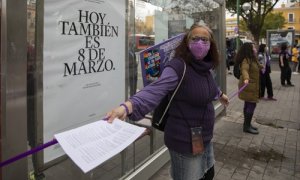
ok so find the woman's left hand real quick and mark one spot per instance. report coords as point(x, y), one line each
point(224, 100)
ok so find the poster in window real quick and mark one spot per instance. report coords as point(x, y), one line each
point(154, 58)
point(83, 64)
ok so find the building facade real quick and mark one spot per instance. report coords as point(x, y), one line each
point(291, 13)
point(231, 27)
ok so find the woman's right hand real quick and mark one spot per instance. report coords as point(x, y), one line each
point(119, 112)
point(246, 81)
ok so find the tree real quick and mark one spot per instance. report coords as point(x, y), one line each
point(256, 16)
point(187, 7)
point(272, 21)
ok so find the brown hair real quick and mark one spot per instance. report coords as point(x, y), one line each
point(184, 52)
point(245, 52)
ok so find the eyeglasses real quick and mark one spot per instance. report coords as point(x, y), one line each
point(198, 38)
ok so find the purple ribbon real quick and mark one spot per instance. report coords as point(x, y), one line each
point(54, 141)
point(32, 151)
point(27, 153)
point(238, 92)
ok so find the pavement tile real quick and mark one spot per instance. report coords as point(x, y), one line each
point(218, 146)
point(278, 148)
point(283, 177)
point(279, 142)
point(261, 164)
point(285, 171)
point(222, 140)
point(297, 168)
point(258, 169)
point(270, 171)
point(268, 178)
point(233, 162)
point(221, 176)
point(218, 166)
point(244, 143)
point(240, 173)
point(237, 176)
point(234, 141)
point(256, 143)
point(253, 175)
point(247, 163)
point(228, 169)
point(274, 164)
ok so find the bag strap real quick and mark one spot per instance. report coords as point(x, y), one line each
point(173, 95)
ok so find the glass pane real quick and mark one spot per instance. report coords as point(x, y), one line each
point(158, 20)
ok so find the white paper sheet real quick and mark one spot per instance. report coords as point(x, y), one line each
point(92, 144)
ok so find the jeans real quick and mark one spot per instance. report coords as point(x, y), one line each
point(189, 166)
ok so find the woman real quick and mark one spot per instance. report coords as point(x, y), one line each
point(286, 72)
point(250, 68)
point(191, 107)
point(295, 57)
point(265, 79)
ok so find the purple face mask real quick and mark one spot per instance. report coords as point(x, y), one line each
point(199, 49)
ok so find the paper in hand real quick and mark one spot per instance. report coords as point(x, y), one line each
point(92, 144)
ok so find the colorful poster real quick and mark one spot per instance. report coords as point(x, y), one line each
point(83, 64)
point(155, 57)
point(278, 37)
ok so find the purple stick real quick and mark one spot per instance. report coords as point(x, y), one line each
point(27, 153)
point(238, 92)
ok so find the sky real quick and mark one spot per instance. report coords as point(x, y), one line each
point(280, 2)
point(144, 9)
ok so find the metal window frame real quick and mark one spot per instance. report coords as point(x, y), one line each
point(13, 87)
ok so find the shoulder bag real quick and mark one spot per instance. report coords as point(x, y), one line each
point(160, 115)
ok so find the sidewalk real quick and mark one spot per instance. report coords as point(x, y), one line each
point(274, 153)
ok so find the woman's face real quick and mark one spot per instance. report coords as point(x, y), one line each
point(199, 42)
point(198, 34)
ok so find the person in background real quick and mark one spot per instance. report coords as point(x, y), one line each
point(249, 67)
point(191, 108)
point(132, 66)
point(298, 59)
point(229, 56)
point(295, 56)
point(265, 79)
point(286, 72)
